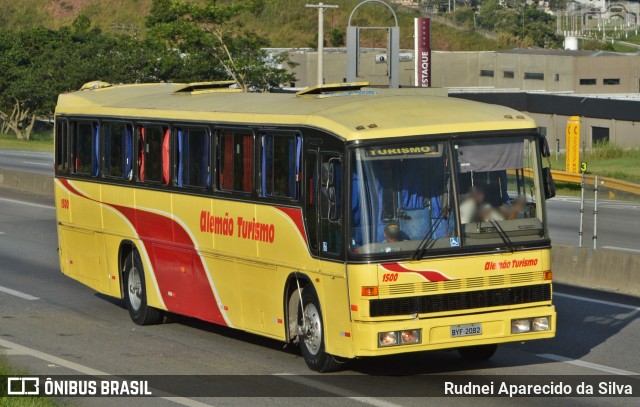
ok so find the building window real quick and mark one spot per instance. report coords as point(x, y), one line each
point(280, 158)
point(534, 75)
point(235, 161)
point(611, 81)
point(557, 78)
point(192, 157)
point(508, 74)
point(486, 72)
point(587, 81)
point(599, 135)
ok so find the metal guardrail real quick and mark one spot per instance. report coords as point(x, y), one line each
point(610, 183)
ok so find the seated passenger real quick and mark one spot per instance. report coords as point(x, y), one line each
point(392, 232)
point(470, 207)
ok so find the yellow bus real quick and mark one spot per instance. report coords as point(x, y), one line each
point(352, 221)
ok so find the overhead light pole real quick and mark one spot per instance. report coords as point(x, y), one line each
point(320, 7)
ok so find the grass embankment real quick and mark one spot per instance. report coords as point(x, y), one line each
point(15, 401)
point(286, 23)
point(605, 160)
point(38, 142)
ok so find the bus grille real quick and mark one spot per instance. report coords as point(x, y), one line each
point(460, 301)
point(476, 283)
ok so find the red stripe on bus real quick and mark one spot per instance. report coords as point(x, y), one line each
point(162, 237)
point(295, 214)
point(430, 275)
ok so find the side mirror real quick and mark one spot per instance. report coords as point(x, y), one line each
point(548, 184)
point(544, 147)
point(327, 176)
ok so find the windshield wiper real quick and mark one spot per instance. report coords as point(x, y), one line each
point(428, 239)
point(503, 235)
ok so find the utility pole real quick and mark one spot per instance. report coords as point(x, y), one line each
point(320, 7)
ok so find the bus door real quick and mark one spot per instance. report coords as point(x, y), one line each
point(330, 194)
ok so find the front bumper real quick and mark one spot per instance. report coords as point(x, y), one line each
point(436, 333)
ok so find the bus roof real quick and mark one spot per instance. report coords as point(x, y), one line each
point(370, 114)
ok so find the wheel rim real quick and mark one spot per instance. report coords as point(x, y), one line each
point(313, 334)
point(135, 288)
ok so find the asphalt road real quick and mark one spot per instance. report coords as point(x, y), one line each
point(50, 324)
point(27, 161)
point(618, 225)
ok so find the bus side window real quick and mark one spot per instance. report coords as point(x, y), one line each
point(62, 137)
point(235, 162)
point(281, 160)
point(192, 157)
point(83, 143)
point(153, 154)
point(118, 150)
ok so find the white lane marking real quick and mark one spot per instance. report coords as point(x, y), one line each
point(35, 205)
point(2, 233)
point(336, 390)
point(621, 249)
point(15, 293)
point(613, 304)
point(35, 163)
point(589, 365)
point(20, 349)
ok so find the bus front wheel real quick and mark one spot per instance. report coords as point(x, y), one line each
point(311, 335)
point(479, 352)
point(135, 292)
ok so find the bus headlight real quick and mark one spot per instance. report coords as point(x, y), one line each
point(540, 324)
point(406, 337)
point(536, 324)
point(412, 336)
point(520, 325)
point(387, 339)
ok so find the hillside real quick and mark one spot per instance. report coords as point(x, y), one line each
point(287, 23)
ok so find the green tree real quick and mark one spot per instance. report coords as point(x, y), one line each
point(214, 44)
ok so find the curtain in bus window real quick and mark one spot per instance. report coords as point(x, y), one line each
point(107, 148)
point(298, 167)
point(247, 161)
point(490, 155)
point(267, 164)
point(95, 162)
point(227, 171)
point(127, 156)
point(165, 157)
point(206, 173)
point(141, 147)
point(291, 176)
point(180, 162)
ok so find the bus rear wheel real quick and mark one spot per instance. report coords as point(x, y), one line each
point(135, 292)
point(311, 335)
point(479, 352)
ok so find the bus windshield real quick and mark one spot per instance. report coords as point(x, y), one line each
point(436, 197)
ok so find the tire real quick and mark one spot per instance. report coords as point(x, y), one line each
point(135, 292)
point(479, 352)
point(311, 335)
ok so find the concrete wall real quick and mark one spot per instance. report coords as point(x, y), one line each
point(622, 133)
point(28, 182)
point(600, 269)
point(562, 72)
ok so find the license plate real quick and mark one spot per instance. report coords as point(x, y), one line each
point(466, 330)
